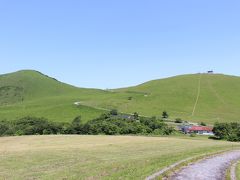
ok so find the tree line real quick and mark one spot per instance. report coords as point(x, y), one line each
point(108, 124)
point(111, 123)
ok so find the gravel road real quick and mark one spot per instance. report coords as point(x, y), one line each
point(212, 168)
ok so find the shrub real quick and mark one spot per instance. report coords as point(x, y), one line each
point(19, 133)
point(135, 116)
point(130, 98)
point(114, 112)
point(203, 124)
point(76, 126)
point(193, 135)
point(179, 120)
point(227, 131)
point(4, 127)
point(165, 115)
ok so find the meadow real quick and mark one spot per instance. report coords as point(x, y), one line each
point(97, 157)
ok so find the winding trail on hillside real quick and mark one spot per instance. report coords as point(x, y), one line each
point(213, 168)
point(198, 94)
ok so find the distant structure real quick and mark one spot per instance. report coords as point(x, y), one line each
point(195, 129)
point(77, 103)
point(210, 72)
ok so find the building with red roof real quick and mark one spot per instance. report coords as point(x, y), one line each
point(201, 130)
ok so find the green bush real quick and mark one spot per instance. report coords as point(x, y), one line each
point(193, 135)
point(4, 127)
point(114, 112)
point(165, 115)
point(227, 131)
point(179, 120)
point(203, 124)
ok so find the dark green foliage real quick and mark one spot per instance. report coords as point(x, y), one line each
point(157, 126)
point(33, 125)
point(193, 135)
point(105, 124)
point(135, 116)
point(114, 112)
point(227, 131)
point(165, 115)
point(178, 120)
point(29, 126)
point(130, 98)
point(113, 126)
point(4, 128)
point(76, 126)
point(203, 124)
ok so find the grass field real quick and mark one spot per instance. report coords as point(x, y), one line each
point(96, 157)
point(215, 98)
point(238, 171)
point(58, 109)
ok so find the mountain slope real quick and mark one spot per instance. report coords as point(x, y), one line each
point(206, 97)
point(32, 93)
point(196, 97)
point(34, 84)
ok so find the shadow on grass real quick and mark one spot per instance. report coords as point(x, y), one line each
point(214, 138)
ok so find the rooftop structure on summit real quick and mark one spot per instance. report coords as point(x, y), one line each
point(210, 72)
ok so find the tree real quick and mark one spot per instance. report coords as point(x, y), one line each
point(130, 98)
point(165, 115)
point(114, 112)
point(77, 125)
point(3, 127)
point(135, 116)
point(178, 120)
point(77, 121)
point(203, 124)
point(227, 131)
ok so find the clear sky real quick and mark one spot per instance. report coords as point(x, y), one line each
point(116, 43)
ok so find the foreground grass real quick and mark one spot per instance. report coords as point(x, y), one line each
point(238, 171)
point(96, 157)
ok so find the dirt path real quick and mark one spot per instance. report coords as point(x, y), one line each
point(198, 94)
point(213, 168)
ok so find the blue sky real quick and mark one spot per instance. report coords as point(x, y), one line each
point(109, 44)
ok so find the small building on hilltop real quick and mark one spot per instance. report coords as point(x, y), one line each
point(210, 72)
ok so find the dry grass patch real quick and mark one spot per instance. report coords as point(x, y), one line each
point(96, 157)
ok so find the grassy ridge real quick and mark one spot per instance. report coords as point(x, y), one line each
point(43, 96)
point(95, 157)
point(219, 98)
point(32, 93)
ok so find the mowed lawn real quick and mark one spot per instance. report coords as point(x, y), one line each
point(96, 157)
point(238, 171)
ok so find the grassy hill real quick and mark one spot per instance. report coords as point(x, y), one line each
point(205, 97)
point(197, 97)
point(31, 93)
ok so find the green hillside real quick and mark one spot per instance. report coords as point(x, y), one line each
point(31, 93)
point(199, 97)
point(196, 97)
